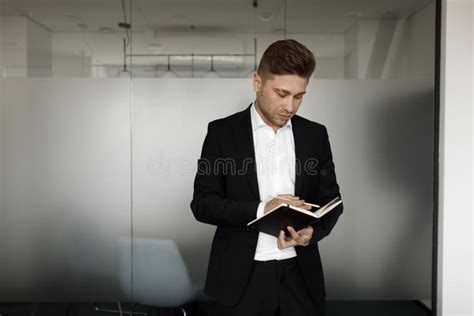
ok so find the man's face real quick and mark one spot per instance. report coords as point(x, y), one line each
point(278, 98)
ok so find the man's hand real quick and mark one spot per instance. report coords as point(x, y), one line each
point(285, 198)
point(298, 238)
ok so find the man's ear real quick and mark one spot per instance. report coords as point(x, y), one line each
point(257, 83)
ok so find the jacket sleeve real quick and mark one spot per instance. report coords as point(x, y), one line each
point(209, 204)
point(328, 190)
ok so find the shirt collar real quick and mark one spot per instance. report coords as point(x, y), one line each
point(258, 122)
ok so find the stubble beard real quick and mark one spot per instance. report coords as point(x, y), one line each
point(267, 115)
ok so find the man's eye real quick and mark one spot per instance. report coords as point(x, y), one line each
point(298, 97)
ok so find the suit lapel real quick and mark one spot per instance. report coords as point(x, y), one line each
point(244, 141)
point(300, 154)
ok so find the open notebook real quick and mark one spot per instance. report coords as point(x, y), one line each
point(286, 215)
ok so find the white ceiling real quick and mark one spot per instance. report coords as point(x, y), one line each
point(184, 26)
point(208, 16)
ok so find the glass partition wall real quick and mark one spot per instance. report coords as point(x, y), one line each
point(104, 108)
point(65, 153)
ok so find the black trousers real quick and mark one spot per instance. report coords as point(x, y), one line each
point(276, 288)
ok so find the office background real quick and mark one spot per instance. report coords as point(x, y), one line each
point(101, 127)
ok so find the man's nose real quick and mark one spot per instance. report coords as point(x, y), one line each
point(289, 104)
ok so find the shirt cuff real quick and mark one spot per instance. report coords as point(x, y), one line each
point(260, 209)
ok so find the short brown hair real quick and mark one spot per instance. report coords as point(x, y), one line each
point(287, 57)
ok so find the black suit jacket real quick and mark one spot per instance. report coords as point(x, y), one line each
point(226, 195)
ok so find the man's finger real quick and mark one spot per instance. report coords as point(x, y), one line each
point(294, 234)
point(287, 244)
point(306, 231)
point(285, 239)
point(282, 243)
point(288, 196)
point(281, 240)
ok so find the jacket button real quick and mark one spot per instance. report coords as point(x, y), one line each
point(251, 249)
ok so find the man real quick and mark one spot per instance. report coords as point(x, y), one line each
point(251, 162)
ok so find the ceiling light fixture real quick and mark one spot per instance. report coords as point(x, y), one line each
point(212, 73)
point(169, 73)
point(126, 41)
point(251, 73)
point(124, 72)
point(152, 40)
point(265, 16)
point(106, 29)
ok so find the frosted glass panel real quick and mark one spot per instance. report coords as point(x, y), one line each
point(381, 133)
point(170, 121)
point(65, 189)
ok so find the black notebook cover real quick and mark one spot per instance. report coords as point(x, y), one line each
point(280, 219)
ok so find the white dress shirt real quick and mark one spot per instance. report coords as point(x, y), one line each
point(275, 162)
